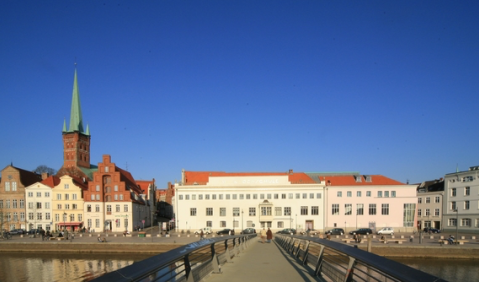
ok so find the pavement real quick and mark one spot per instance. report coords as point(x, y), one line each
point(263, 262)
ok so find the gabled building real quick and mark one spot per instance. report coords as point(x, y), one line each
point(430, 198)
point(67, 203)
point(114, 201)
point(356, 201)
point(12, 196)
point(39, 203)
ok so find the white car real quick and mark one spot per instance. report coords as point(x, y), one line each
point(206, 231)
point(386, 231)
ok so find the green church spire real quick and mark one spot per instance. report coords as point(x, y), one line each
point(76, 122)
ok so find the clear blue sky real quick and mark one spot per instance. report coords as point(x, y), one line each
point(379, 87)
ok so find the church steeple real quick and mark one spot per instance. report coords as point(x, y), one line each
point(76, 122)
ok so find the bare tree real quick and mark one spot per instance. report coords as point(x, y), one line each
point(43, 168)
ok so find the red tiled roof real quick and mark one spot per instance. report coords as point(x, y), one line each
point(202, 177)
point(51, 181)
point(350, 180)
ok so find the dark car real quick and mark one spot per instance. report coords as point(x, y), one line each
point(248, 231)
point(17, 231)
point(226, 231)
point(362, 231)
point(335, 231)
point(310, 232)
point(431, 230)
point(34, 231)
point(287, 231)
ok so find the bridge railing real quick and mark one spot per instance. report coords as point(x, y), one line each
point(191, 262)
point(343, 263)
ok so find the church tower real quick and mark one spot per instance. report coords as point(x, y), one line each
point(76, 140)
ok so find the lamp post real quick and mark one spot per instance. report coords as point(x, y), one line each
point(457, 222)
point(290, 220)
point(296, 221)
point(242, 220)
point(345, 227)
point(64, 221)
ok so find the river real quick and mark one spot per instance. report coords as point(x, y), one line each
point(84, 267)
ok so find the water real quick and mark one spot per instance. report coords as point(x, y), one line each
point(85, 267)
point(58, 267)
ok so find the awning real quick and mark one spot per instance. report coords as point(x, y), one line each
point(70, 223)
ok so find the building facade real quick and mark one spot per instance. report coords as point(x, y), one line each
point(461, 201)
point(430, 197)
point(39, 204)
point(67, 203)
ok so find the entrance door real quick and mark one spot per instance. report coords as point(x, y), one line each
point(309, 224)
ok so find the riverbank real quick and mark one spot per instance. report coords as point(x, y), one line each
point(116, 243)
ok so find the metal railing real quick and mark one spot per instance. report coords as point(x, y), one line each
point(191, 262)
point(340, 262)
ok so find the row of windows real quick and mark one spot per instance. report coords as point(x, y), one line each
point(8, 216)
point(467, 191)
point(437, 200)
point(466, 222)
point(283, 196)
point(108, 208)
point(368, 194)
point(107, 188)
point(97, 197)
point(466, 206)
point(39, 194)
point(265, 211)
point(348, 209)
point(13, 186)
point(427, 212)
point(98, 223)
point(249, 224)
point(14, 204)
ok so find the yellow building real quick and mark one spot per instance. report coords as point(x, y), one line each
point(67, 203)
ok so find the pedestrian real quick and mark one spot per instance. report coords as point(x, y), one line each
point(201, 234)
point(269, 235)
point(355, 237)
point(263, 235)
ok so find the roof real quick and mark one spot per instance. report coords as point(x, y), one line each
point(76, 120)
point(126, 177)
point(202, 177)
point(27, 177)
point(51, 181)
point(358, 180)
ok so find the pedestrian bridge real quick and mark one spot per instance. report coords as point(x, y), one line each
point(286, 258)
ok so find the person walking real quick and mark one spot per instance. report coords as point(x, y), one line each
point(263, 235)
point(201, 234)
point(269, 235)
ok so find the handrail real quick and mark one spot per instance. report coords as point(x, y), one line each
point(177, 264)
point(353, 259)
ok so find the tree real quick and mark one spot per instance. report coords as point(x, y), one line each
point(43, 168)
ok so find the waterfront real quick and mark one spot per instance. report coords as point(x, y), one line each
point(27, 267)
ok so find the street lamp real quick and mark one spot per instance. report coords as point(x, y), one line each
point(242, 219)
point(64, 221)
point(296, 221)
point(457, 221)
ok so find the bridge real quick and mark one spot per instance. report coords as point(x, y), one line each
point(286, 258)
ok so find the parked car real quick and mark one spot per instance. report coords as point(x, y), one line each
point(206, 231)
point(226, 231)
point(310, 232)
point(362, 231)
point(287, 231)
point(431, 230)
point(17, 231)
point(34, 231)
point(386, 231)
point(335, 231)
point(248, 231)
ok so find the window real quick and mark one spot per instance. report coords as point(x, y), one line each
point(359, 209)
point(67, 197)
point(280, 224)
point(98, 197)
point(278, 211)
point(209, 224)
point(385, 209)
point(116, 197)
point(393, 194)
point(125, 208)
point(372, 209)
point(466, 222)
point(453, 206)
point(14, 204)
point(97, 223)
point(117, 208)
point(39, 205)
point(200, 197)
point(287, 211)
point(428, 213)
point(380, 194)
point(452, 222)
point(428, 200)
point(180, 197)
point(97, 208)
point(59, 206)
point(59, 196)
point(349, 194)
point(187, 197)
point(222, 211)
point(193, 197)
point(223, 224)
point(368, 193)
point(339, 194)
point(67, 186)
point(266, 211)
point(419, 212)
point(39, 194)
point(14, 186)
point(358, 194)
point(348, 209)
point(22, 216)
point(305, 195)
point(236, 211)
point(335, 209)
point(318, 195)
point(7, 186)
point(466, 205)
point(252, 211)
point(386, 194)
point(92, 197)
point(290, 195)
point(67, 206)
point(419, 200)
point(268, 196)
point(209, 211)
point(248, 196)
point(8, 204)
point(436, 212)
point(30, 194)
point(255, 196)
point(314, 210)
point(15, 216)
point(298, 196)
point(74, 206)
point(304, 210)
point(88, 208)
point(1, 204)
point(241, 196)
point(97, 188)
point(283, 196)
point(74, 196)
point(467, 191)
point(39, 216)
point(437, 199)
point(311, 195)
point(464, 179)
point(213, 197)
point(192, 211)
point(30, 216)
point(47, 194)
point(115, 188)
point(121, 197)
point(453, 192)
point(207, 196)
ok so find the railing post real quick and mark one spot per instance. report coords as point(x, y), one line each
point(186, 261)
point(349, 273)
point(319, 262)
point(306, 250)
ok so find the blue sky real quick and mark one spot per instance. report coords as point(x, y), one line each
point(379, 87)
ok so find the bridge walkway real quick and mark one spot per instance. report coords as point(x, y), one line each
point(263, 262)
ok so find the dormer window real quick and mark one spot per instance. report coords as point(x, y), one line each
point(358, 178)
point(368, 178)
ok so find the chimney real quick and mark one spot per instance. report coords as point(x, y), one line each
point(44, 175)
point(290, 171)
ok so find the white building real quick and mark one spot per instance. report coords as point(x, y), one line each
point(248, 200)
point(461, 201)
point(38, 201)
point(430, 198)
